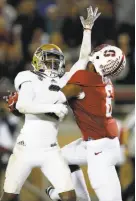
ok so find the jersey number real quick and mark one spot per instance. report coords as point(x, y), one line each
point(108, 53)
point(109, 92)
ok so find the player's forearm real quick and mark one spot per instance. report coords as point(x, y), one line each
point(86, 44)
point(88, 25)
point(26, 103)
point(71, 91)
point(34, 108)
point(79, 65)
point(84, 52)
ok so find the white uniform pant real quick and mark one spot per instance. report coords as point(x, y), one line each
point(101, 156)
point(51, 162)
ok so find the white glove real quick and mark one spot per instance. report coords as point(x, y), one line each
point(91, 17)
point(60, 110)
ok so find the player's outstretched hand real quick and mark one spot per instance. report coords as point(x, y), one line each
point(91, 17)
point(60, 110)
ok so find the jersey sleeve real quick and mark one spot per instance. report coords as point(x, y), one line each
point(63, 80)
point(24, 76)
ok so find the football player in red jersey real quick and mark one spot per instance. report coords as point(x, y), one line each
point(93, 114)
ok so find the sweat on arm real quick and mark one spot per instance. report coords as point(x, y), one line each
point(71, 91)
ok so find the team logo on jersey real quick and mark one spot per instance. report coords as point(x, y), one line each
point(54, 144)
point(21, 143)
point(54, 81)
point(96, 153)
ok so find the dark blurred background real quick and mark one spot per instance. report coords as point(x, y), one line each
point(25, 25)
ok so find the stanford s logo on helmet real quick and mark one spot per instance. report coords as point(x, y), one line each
point(108, 60)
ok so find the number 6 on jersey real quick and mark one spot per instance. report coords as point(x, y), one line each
point(109, 92)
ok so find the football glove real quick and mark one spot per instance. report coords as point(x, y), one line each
point(91, 17)
point(60, 110)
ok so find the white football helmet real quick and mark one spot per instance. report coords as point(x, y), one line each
point(108, 60)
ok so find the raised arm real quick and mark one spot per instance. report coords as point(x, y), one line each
point(86, 42)
point(87, 26)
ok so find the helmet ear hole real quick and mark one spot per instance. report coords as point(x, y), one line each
point(97, 57)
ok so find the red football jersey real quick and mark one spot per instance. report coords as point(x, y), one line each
point(93, 113)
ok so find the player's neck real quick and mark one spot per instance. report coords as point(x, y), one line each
point(90, 67)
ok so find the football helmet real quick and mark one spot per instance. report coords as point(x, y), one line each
point(49, 59)
point(108, 60)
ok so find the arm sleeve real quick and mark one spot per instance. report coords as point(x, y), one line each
point(84, 52)
point(79, 65)
point(26, 103)
point(86, 44)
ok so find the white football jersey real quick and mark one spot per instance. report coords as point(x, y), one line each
point(39, 129)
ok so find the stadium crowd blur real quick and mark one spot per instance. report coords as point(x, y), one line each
point(26, 24)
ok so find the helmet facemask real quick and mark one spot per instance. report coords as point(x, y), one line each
point(108, 60)
point(50, 62)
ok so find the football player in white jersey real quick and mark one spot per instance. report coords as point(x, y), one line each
point(37, 146)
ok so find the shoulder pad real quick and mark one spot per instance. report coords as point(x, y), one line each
point(86, 78)
point(24, 76)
